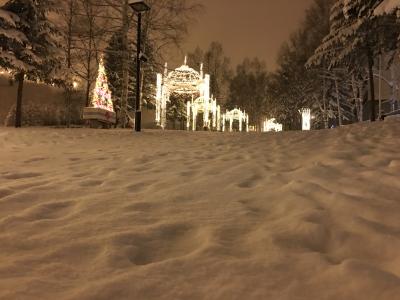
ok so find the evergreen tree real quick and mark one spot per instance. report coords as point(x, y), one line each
point(217, 65)
point(293, 86)
point(113, 63)
point(176, 110)
point(114, 66)
point(356, 37)
point(248, 89)
point(28, 43)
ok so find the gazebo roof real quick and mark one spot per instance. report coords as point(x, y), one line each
point(184, 79)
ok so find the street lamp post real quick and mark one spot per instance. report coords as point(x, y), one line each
point(139, 7)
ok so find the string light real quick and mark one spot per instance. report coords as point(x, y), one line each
point(102, 93)
point(306, 118)
point(187, 81)
point(101, 103)
point(236, 115)
point(272, 125)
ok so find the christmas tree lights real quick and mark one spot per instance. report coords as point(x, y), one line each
point(102, 94)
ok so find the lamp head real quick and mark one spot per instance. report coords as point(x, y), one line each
point(139, 6)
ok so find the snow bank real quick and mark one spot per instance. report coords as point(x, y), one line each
point(91, 214)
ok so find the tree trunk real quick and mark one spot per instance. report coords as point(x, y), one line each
point(371, 84)
point(338, 102)
point(125, 64)
point(68, 84)
point(393, 87)
point(89, 13)
point(355, 96)
point(363, 100)
point(18, 110)
point(380, 88)
point(89, 73)
point(326, 120)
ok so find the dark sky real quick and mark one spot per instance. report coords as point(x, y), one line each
point(247, 28)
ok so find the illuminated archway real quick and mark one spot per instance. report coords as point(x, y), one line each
point(187, 81)
point(235, 115)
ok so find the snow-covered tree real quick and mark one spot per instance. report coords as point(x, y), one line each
point(356, 37)
point(28, 40)
point(218, 65)
point(293, 86)
point(387, 6)
point(248, 89)
point(113, 60)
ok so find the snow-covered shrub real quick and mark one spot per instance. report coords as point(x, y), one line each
point(37, 115)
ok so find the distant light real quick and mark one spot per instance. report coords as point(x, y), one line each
point(272, 125)
point(306, 118)
point(139, 6)
point(75, 84)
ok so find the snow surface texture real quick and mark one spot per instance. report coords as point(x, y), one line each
point(93, 214)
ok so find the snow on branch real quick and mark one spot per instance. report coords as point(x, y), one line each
point(9, 17)
point(387, 6)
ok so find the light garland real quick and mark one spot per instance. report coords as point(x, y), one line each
point(235, 115)
point(186, 81)
point(272, 125)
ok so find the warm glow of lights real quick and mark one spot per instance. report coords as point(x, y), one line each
point(188, 107)
point(102, 94)
point(75, 84)
point(158, 98)
point(306, 118)
point(5, 72)
point(186, 81)
point(236, 115)
point(272, 125)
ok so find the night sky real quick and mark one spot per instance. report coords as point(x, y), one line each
point(247, 28)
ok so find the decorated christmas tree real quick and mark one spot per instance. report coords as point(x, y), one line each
point(102, 93)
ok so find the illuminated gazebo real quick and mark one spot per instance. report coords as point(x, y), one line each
point(235, 115)
point(187, 81)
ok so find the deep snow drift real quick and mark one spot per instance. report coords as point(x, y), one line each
point(92, 214)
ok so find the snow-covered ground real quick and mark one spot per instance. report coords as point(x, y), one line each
point(92, 214)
